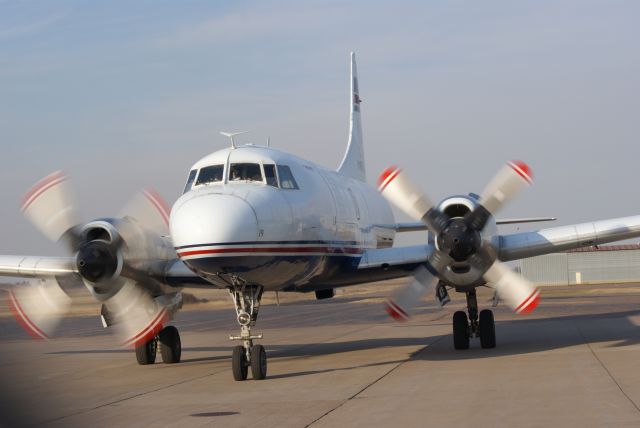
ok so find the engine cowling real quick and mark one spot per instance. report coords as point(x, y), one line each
point(461, 242)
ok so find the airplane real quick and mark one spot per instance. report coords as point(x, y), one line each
point(255, 219)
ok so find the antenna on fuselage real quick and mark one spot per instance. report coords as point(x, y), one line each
point(231, 135)
point(269, 141)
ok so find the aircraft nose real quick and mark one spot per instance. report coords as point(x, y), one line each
point(212, 219)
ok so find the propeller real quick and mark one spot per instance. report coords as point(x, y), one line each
point(460, 239)
point(407, 298)
point(110, 256)
point(39, 306)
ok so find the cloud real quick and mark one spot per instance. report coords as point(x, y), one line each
point(31, 28)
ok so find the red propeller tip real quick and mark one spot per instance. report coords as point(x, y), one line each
point(395, 311)
point(522, 169)
point(387, 177)
point(159, 203)
point(149, 332)
point(530, 303)
point(40, 187)
point(18, 313)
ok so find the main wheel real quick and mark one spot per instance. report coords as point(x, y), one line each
point(146, 353)
point(258, 362)
point(460, 330)
point(239, 363)
point(487, 329)
point(170, 346)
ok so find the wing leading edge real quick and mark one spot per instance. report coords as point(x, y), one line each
point(563, 238)
point(174, 272)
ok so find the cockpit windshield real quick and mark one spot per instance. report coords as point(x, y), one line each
point(245, 172)
point(190, 180)
point(210, 174)
point(286, 178)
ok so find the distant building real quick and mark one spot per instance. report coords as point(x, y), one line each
point(591, 265)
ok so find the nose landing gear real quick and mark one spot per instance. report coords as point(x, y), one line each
point(246, 299)
point(482, 326)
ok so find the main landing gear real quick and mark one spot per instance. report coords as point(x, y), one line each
point(168, 340)
point(482, 326)
point(246, 299)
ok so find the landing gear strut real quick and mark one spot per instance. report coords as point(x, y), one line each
point(482, 326)
point(246, 299)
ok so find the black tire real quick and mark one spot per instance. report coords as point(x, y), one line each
point(239, 363)
point(258, 362)
point(170, 346)
point(146, 353)
point(460, 330)
point(487, 329)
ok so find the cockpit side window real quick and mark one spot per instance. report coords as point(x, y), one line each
point(286, 178)
point(245, 172)
point(270, 174)
point(210, 174)
point(190, 180)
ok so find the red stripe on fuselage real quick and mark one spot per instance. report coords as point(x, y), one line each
point(286, 250)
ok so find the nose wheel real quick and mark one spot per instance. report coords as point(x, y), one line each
point(247, 303)
point(482, 326)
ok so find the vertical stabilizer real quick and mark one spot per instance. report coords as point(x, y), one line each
point(353, 162)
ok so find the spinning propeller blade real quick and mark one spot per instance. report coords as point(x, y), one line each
point(149, 210)
point(399, 190)
point(50, 207)
point(136, 316)
point(521, 296)
point(402, 303)
point(39, 306)
point(506, 184)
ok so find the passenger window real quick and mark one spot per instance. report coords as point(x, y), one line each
point(210, 174)
point(245, 172)
point(270, 175)
point(192, 177)
point(286, 178)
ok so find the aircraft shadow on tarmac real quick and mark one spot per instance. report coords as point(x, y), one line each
point(515, 337)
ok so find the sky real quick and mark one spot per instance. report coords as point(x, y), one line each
point(124, 95)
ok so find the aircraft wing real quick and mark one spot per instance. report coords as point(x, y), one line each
point(416, 226)
point(395, 257)
point(174, 273)
point(33, 266)
point(562, 238)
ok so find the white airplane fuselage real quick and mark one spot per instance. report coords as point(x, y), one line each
point(301, 234)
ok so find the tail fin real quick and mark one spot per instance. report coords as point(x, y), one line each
point(353, 162)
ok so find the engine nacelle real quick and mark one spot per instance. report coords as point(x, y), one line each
point(109, 247)
point(99, 258)
point(462, 243)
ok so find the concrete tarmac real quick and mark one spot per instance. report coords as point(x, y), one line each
point(338, 363)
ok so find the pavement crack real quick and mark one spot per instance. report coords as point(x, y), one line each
point(378, 379)
point(604, 367)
